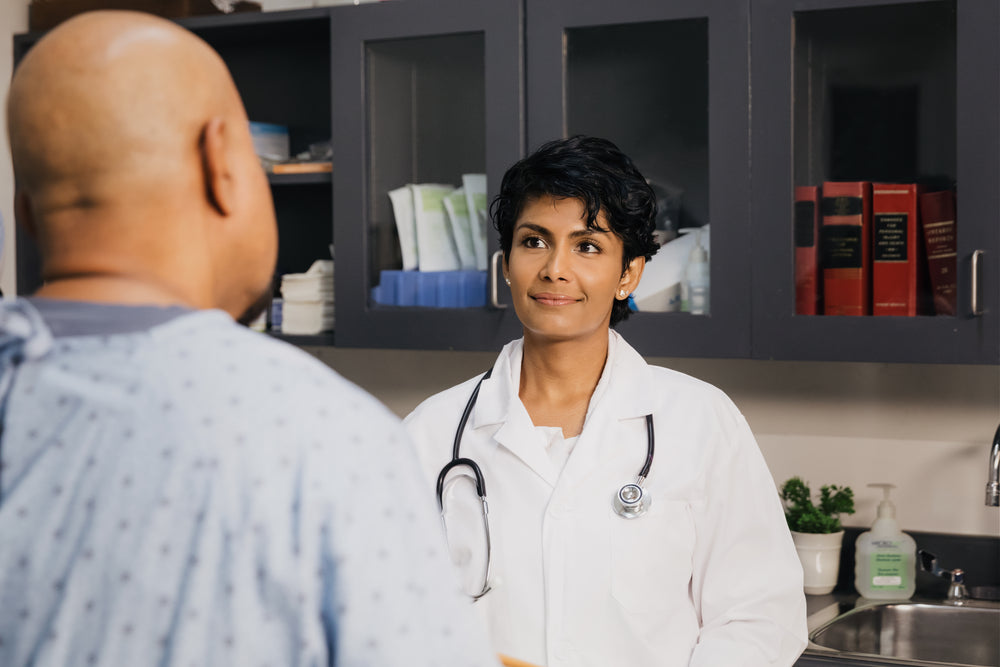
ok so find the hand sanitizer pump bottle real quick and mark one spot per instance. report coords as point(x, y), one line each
point(885, 557)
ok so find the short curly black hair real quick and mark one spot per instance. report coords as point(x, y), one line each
point(594, 171)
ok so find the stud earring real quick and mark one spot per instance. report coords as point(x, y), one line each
point(621, 293)
point(507, 280)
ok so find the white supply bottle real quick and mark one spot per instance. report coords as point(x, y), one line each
point(885, 557)
point(697, 276)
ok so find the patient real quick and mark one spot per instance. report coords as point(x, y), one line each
point(174, 488)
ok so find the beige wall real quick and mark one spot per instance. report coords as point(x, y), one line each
point(925, 428)
point(13, 19)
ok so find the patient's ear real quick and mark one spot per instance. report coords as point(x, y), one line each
point(219, 185)
point(23, 215)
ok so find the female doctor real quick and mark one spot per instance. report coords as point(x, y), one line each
point(631, 517)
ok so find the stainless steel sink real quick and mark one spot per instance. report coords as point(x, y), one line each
point(917, 632)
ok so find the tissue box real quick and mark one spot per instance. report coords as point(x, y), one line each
point(270, 141)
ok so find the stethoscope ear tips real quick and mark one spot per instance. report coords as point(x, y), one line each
point(631, 501)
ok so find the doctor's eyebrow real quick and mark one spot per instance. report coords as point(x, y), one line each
point(544, 231)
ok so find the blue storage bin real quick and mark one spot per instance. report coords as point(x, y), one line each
point(431, 289)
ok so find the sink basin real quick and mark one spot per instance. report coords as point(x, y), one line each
point(917, 632)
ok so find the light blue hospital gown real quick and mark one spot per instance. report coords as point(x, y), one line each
point(178, 490)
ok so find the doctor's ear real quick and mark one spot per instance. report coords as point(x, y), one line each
point(632, 275)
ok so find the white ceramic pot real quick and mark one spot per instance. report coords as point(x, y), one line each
point(819, 554)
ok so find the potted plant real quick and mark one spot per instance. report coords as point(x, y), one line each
point(816, 530)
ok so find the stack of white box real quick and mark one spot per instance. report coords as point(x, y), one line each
point(307, 298)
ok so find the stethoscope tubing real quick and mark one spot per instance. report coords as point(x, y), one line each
point(627, 509)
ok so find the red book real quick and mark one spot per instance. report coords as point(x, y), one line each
point(808, 281)
point(899, 272)
point(846, 248)
point(937, 215)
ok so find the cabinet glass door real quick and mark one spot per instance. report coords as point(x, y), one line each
point(437, 122)
point(875, 170)
point(667, 83)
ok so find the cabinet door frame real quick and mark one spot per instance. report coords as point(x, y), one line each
point(777, 332)
point(726, 331)
point(360, 323)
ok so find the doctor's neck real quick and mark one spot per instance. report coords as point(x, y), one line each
point(558, 377)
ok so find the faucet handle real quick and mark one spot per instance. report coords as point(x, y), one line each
point(929, 563)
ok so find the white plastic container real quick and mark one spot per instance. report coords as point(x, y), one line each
point(885, 557)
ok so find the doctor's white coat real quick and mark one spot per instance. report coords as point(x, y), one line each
point(708, 577)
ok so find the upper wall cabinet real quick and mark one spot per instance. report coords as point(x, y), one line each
point(280, 62)
point(428, 114)
point(875, 171)
point(668, 83)
point(878, 112)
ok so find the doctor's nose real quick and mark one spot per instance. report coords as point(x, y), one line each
point(557, 265)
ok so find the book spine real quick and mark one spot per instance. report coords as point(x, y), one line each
point(937, 211)
point(808, 279)
point(897, 278)
point(846, 248)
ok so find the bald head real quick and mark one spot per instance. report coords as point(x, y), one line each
point(132, 158)
point(109, 96)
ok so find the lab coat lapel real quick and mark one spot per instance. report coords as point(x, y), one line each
point(627, 396)
point(498, 404)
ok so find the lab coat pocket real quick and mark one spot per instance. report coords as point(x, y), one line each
point(651, 557)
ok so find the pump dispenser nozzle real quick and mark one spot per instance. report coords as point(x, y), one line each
point(886, 510)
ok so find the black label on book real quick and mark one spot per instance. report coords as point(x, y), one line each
point(843, 206)
point(841, 247)
point(805, 215)
point(890, 237)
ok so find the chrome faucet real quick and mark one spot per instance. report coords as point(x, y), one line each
point(993, 485)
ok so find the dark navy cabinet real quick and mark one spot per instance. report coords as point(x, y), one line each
point(668, 83)
point(930, 72)
point(725, 106)
point(423, 93)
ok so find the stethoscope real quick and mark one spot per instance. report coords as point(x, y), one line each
point(630, 502)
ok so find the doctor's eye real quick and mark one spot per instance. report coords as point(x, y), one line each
point(532, 242)
point(588, 247)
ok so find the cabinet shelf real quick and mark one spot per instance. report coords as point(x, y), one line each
point(313, 340)
point(300, 179)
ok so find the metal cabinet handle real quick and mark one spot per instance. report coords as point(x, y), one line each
point(495, 280)
point(977, 281)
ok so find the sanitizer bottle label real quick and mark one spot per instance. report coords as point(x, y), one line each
point(887, 571)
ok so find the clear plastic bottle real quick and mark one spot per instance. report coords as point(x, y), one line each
point(697, 278)
point(885, 557)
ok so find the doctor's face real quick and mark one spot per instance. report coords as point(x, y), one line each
point(564, 277)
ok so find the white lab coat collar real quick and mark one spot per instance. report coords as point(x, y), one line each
point(622, 393)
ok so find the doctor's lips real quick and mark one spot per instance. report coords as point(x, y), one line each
point(549, 299)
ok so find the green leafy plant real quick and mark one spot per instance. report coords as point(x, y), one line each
point(805, 517)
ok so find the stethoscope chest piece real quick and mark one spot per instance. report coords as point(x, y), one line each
point(632, 501)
